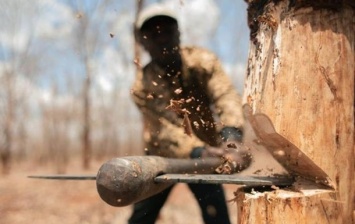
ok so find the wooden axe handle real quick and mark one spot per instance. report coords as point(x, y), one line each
point(126, 180)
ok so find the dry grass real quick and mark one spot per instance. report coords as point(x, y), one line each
point(24, 200)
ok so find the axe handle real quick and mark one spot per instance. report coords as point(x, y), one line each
point(126, 180)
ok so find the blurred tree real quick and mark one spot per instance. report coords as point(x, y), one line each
point(56, 125)
point(98, 26)
point(17, 66)
point(139, 5)
point(86, 42)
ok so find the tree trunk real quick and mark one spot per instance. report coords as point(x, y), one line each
point(86, 143)
point(9, 116)
point(301, 74)
point(139, 6)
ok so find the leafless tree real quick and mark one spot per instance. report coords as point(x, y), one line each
point(55, 120)
point(18, 64)
point(87, 42)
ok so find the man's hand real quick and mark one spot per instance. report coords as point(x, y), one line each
point(211, 151)
point(236, 156)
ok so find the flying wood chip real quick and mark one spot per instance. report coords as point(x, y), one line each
point(178, 91)
point(187, 125)
point(176, 106)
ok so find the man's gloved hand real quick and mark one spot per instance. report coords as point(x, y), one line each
point(236, 157)
point(234, 154)
point(207, 151)
point(231, 134)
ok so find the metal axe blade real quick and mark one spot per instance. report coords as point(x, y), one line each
point(294, 160)
point(254, 181)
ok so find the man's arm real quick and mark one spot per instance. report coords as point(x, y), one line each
point(228, 106)
point(162, 136)
point(220, 89)
point(174, 142)
point(226, 99)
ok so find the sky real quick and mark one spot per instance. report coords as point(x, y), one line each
point(217, 25)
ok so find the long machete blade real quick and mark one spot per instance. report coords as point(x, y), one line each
point(64, 177)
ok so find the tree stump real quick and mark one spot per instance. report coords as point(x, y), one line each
point(300, 73)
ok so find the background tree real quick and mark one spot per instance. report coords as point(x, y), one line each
point(18, 65)
point(87, 43)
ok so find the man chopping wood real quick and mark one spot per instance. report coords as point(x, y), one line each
point(190, 109)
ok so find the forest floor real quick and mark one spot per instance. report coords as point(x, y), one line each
point(24, 200)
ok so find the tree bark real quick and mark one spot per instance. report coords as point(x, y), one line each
point(301, 74)
point(9, 117)
point(86, 142)
point(137, 55)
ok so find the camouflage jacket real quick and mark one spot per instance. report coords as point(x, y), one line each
point(207, 102)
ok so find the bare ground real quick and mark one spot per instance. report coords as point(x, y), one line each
point(24, 200)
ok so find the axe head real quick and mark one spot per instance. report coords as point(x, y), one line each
point(274, 150)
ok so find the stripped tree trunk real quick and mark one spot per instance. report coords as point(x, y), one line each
point(301, 74)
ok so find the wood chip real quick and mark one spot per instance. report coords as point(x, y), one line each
point(178, 91)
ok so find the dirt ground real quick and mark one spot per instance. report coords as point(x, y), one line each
point(24, 200)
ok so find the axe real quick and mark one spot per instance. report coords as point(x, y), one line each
point(127, 180)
